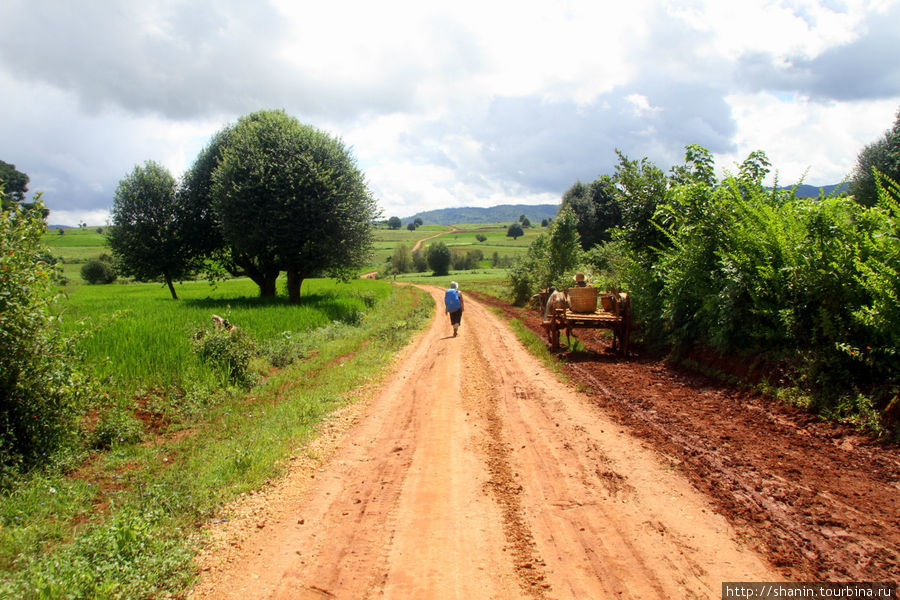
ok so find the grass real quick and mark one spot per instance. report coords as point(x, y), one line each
point(125, 523)
point(140, 338)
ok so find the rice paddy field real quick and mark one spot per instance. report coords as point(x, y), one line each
point(136, 336)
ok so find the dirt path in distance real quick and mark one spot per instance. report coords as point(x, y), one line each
point(473, 473)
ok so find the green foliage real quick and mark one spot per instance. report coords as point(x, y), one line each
point(402, 260)
point(229, 350)
point(290, 197)
point(118, 425)
point(514, 231)
point(466, 261)
point(439, 258)
point(642, 188)
point(530, 271)
point(481, 237)
point(549, 258)
point(97, 271)
point(145, 234)
point(40, 391)
point(15, 184)
point(597, 208)
point(420, 263)
point(394, 223)
point(883, 156)
point(564, 251)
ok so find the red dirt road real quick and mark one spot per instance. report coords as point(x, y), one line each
point(473, 473)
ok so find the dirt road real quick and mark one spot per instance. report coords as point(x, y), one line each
point(472, 473)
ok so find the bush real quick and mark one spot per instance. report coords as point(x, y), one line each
point(117, 426)
point(97, 272)
point(466, 261)
point(420, 263)
point(230, 350)
point(41, 394)
point(439, 258)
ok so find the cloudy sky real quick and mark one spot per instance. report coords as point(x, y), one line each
point(469, 103)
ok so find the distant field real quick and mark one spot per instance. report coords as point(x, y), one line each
point(75, 247)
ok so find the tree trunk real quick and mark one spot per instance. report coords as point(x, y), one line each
point(294, 281)
point(171, 287)
point(264, 279)
point(266, 285)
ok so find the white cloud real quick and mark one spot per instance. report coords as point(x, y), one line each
point(464, 103)
point(804, 137)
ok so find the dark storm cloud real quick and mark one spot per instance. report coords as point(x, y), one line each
point(865, 69)
point(547, 146)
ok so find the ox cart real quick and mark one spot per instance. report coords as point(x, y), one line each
point(614, 313)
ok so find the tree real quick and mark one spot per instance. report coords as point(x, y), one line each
point(144, 236)
point(402, 259)
point(522, 218)
point(481, 237)
point(514, 231)
point(545, 222)
point(291, 197)
point(411, 226)
point(15, 183)
point(564, 249)
point(526, 222)
point(597, 209)
point(642, 189)
point(439, 258)
point(418, 222)
point(394, 223)
point(883, 155)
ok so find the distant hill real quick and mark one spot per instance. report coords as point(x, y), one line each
point(812, 191)
point(504, 213)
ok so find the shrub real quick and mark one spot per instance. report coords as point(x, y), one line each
point(439, 258)
point(97, 272)
point(117, 426)
point(420, 263)
point(40, 392)
point(230, 350)
point(481, 237)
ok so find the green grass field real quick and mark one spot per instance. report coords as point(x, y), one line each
point(138, 337)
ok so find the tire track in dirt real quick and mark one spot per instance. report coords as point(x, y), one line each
point(473, 473)
point(479, 391)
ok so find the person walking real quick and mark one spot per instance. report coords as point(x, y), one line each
point(453, 305)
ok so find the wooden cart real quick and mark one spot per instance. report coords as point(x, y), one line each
point(618, 320)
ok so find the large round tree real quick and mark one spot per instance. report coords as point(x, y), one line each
point(289, 195)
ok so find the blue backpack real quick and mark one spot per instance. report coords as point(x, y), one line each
point(451, 300)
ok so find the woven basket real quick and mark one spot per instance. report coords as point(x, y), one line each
point(583, 299)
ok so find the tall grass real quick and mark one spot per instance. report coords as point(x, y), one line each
point(138, 337)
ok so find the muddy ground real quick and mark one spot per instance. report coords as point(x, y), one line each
point(819, 500)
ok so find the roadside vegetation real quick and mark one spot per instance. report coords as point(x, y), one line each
point(800, 292)
point(168, 433)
